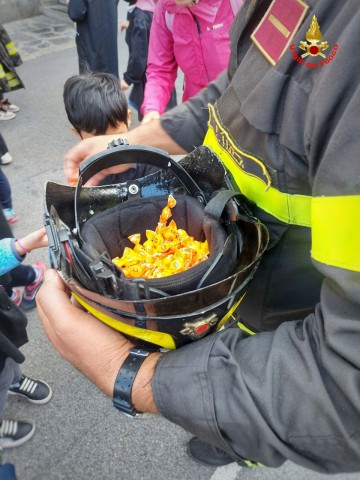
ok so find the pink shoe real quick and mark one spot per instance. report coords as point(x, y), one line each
point(10, 215)
point(16, 296)
point(29, 294)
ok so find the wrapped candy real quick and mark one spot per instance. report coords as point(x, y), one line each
point(166, 251)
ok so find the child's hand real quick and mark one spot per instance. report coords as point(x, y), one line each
point(124, 25)
point(150, 116)
point(123, 85)
point(37, 239)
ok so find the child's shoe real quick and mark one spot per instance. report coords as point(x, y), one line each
point(5, 159)
point(15, 432)
point(10, 215)
point(36, 391)
point(28, 298)
point(16, 296)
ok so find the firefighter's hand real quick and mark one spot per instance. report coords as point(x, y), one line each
point(92, 347)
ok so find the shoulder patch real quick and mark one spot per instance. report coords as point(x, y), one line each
point(277, 28)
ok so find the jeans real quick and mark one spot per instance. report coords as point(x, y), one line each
point(10, 374)
point(3, 147)
point(5, 191)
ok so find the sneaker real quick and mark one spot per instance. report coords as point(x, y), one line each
point(4, 115)
point(15, 432)
point(36, 391)
point(28, 298)
point(10, 215)
point(16, 296)
point(5, 159)
point(8, 107)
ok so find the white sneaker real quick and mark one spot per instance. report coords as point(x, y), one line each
point(8, 106)
point(5, 159)
point(6, 115)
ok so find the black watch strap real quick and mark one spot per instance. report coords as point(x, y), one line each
point(125, 380)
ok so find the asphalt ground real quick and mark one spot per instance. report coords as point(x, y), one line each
point(79, 435)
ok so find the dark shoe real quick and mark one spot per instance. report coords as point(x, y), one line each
point(15, 432)
point(207, 454)
point(36, 391)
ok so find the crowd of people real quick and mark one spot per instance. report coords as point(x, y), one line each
point(283, 382)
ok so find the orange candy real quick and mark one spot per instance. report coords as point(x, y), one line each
point(166, 251)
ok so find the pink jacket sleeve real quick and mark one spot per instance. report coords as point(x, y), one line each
point(162, 67)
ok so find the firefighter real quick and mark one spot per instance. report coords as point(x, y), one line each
point(284, 120)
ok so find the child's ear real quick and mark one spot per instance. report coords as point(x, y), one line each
point(73, 129)
point(129, 116)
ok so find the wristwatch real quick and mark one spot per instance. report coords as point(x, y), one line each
point(118, 142)
point(125, 380)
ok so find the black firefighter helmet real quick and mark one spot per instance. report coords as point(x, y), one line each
point(89, 226)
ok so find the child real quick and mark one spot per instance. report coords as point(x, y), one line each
point(12, 336)
point(190, 35)
point(138, 24)
point(95, 105)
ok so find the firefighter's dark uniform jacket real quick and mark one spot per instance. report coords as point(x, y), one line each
point(293, 391)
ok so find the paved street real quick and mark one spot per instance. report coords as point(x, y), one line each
point(80, 436)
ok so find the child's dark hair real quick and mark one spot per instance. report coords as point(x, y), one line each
point(95, 101)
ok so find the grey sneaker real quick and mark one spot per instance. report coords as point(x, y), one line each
point(14, 433)
point(36, 391)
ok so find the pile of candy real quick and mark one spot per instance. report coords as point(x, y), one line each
point(166, 251)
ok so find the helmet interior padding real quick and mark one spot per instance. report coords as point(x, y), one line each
point(108, 231)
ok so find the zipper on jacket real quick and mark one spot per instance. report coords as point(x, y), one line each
point(198, 27)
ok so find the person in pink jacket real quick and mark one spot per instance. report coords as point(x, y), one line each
point(189, 34)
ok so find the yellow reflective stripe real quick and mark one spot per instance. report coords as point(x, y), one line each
point(251, 464)
point(158, 338)
point(336, 231)
point(10, 47)
point(246, 329)
point(229, 313)
point(2, 72)
point(291, 209)
point(12, 81)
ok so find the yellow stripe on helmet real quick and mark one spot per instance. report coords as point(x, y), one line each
point(158, 338)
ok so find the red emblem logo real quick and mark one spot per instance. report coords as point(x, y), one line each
point(199, 328)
